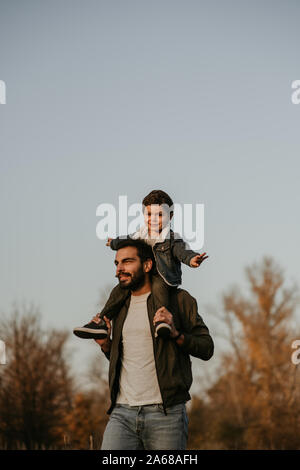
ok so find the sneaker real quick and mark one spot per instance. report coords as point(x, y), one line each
point(92, 330)
point(162, 329)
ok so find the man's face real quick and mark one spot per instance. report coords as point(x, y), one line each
point(130, 270)
point(156, 218)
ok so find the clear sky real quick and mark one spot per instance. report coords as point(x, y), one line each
point(109, 98)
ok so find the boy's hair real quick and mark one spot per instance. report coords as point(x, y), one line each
point(144, 251)
point(157, 196)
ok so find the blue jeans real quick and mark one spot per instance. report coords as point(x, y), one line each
point(146, 427)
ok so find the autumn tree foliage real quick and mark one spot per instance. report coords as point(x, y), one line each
point(87, 418)
point(86, 421)
point(255, 402)
point(35, 385)
point(41, 404)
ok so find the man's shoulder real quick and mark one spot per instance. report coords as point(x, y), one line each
point(184, 297)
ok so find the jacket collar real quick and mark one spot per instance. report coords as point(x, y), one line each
point(162, 236)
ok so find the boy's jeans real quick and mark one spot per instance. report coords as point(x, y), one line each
point(146, 427)
point(159, 288)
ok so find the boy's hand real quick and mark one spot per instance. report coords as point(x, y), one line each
point(197, 260)
point(108, 241)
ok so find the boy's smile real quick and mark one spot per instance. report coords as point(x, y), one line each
point(157, 217)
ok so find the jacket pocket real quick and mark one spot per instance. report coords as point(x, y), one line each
point(164, 251)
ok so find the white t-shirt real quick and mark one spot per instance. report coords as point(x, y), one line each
point(138, 379)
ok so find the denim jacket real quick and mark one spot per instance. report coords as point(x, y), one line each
point(168, 255)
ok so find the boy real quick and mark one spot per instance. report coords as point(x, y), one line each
point(169, 252)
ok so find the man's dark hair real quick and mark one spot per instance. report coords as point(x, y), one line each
point(144, 251)
point(157, 196)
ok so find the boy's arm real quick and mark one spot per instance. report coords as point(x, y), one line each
point(182, 252)
point(115, 241)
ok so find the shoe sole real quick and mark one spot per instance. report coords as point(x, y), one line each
point(163, 330)
point(89, 333)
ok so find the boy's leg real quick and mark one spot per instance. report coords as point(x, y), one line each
point(114, 303)
point(98, 330)
point(161, 292)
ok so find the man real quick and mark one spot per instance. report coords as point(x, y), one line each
point(150, 377)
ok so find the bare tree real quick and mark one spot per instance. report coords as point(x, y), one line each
point(35, 385)
point(255, 403)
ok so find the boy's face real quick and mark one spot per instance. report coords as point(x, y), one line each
point(157, 217)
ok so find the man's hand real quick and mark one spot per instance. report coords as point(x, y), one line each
point(164, 315)
point(104, 343)
point(108, 241)
point(197, 260)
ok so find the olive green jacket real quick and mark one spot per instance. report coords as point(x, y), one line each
point(173, 364)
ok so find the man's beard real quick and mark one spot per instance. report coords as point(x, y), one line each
point(137, 280)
